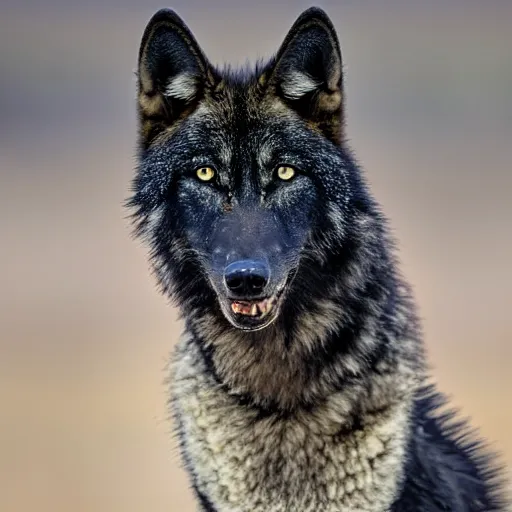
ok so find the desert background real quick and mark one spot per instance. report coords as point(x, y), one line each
point(84, 335)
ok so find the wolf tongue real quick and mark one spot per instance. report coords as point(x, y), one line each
point(243, 308)
point(246, 308)
point(260, 308)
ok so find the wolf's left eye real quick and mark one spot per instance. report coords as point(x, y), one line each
point(286, 173)
point(205, 173)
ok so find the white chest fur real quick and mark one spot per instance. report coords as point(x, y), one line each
point(303, 463)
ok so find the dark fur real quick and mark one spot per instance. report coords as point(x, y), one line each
point(347, 326)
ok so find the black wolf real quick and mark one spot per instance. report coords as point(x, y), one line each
point(300, 383)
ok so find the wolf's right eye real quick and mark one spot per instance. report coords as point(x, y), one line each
point(286, 172)
point(205, 173)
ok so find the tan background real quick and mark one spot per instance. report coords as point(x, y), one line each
point(83, 333)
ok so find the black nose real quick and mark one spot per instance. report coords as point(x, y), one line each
point(246, 278)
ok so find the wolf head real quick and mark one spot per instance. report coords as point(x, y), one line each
point(241, 175)
point(258, 220)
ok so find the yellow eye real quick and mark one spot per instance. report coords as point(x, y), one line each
point(205, 173)
point(285, 173)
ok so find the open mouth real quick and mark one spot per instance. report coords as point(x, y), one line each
point(253, 315)
point(255, 309)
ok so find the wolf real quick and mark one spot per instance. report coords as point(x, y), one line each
point(300, 383)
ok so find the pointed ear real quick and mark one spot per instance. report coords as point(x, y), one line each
point(307, 73)
point(173, 74)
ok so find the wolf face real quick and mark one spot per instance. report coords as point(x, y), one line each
point(242, 176)
point(245, 209)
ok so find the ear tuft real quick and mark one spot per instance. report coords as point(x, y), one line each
point(182, 87)
point(296, 84)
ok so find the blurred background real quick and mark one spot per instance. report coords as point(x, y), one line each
point(84, 335)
